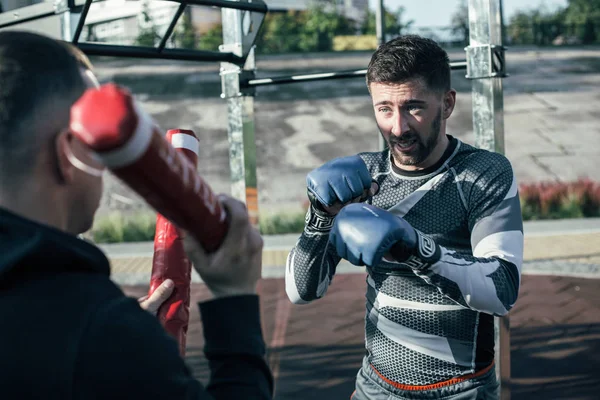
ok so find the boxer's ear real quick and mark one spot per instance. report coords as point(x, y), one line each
point(65, 170)
point(449, 103)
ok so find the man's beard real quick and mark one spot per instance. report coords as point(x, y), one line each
point(421, 150)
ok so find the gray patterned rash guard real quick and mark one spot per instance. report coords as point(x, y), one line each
point(434, 323)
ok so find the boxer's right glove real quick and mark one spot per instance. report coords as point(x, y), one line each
point(336, 182)
point(363, 234)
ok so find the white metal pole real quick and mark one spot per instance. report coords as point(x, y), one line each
point(240, 109)
point(486, 68)
point(380, 29)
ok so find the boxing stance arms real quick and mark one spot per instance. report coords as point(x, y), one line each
point(486, 280)
point(312, 262)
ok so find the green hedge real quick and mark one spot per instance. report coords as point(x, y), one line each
point(118, 228)
point(539, 201)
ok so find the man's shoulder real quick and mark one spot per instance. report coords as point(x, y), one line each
point(75, 287)
point(52, 312)
point(104, 301)
point(473, 162)
point(90, 288)
point(483, 175)
point(81, 297)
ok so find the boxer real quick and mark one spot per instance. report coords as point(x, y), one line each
point(441, 239)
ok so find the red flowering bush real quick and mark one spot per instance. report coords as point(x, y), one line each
point(553, 200)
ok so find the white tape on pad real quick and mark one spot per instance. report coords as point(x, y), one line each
point(183, 141)
point(137, 145)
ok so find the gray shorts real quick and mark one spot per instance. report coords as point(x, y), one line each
point(370, 386)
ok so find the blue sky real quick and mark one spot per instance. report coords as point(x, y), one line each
point(421, 10)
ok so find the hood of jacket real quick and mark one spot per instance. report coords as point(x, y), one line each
point(28, 248)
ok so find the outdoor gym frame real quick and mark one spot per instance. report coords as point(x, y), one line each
point(241, 20)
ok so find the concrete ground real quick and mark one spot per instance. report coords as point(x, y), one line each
point(314, 351)
point(552, 122)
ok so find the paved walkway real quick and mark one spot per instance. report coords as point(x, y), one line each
point(315, 350)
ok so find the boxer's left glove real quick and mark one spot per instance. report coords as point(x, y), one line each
point(333, 185)
point(363, 234)
point(338, 181)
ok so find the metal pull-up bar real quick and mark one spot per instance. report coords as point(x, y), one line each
point(93, 49)
point(255, 5)
point(80, 8)
point(324, 76)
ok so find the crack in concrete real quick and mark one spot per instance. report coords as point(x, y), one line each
point(561, 154)
point(544, 167)
point(543, 101)
point(563, 150)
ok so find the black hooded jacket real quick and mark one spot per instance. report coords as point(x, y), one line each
point(68, 332)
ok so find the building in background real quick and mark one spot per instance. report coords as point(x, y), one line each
point(355, 9)
point(8, 5)
point(121, 21)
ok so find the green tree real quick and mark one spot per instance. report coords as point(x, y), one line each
point(186, 37)
point(212, 39)
point(280, 33)
point(582, 17)
point(301, 31)
point(148, 35)
point(460, 22)
point(320, 26)
point(538, 26)
point(520, 28)
point(394, 22)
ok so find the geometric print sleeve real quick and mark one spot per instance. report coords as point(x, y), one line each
point(489, 279)
point(312, 262)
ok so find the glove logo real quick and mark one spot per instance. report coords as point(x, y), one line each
point(318, 223)
point(427, 246)
point(415, 263)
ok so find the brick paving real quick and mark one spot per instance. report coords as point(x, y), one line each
point(315, 350)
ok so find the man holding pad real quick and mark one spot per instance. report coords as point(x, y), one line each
point(68, 331)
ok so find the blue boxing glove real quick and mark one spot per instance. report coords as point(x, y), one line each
point(338, 181)
point(363, 234)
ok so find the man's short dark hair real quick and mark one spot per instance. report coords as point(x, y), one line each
point(39, 78)
point(408, 57)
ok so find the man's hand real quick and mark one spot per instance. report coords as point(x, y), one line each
point(363, 234)
point(339, 182)
point(235, 268)
point(159, 296)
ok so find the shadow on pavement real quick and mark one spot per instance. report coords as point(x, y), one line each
point(305, 372)
point(318, 372)
point(556, 362)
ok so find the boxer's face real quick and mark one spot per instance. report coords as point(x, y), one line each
point(411, 119)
